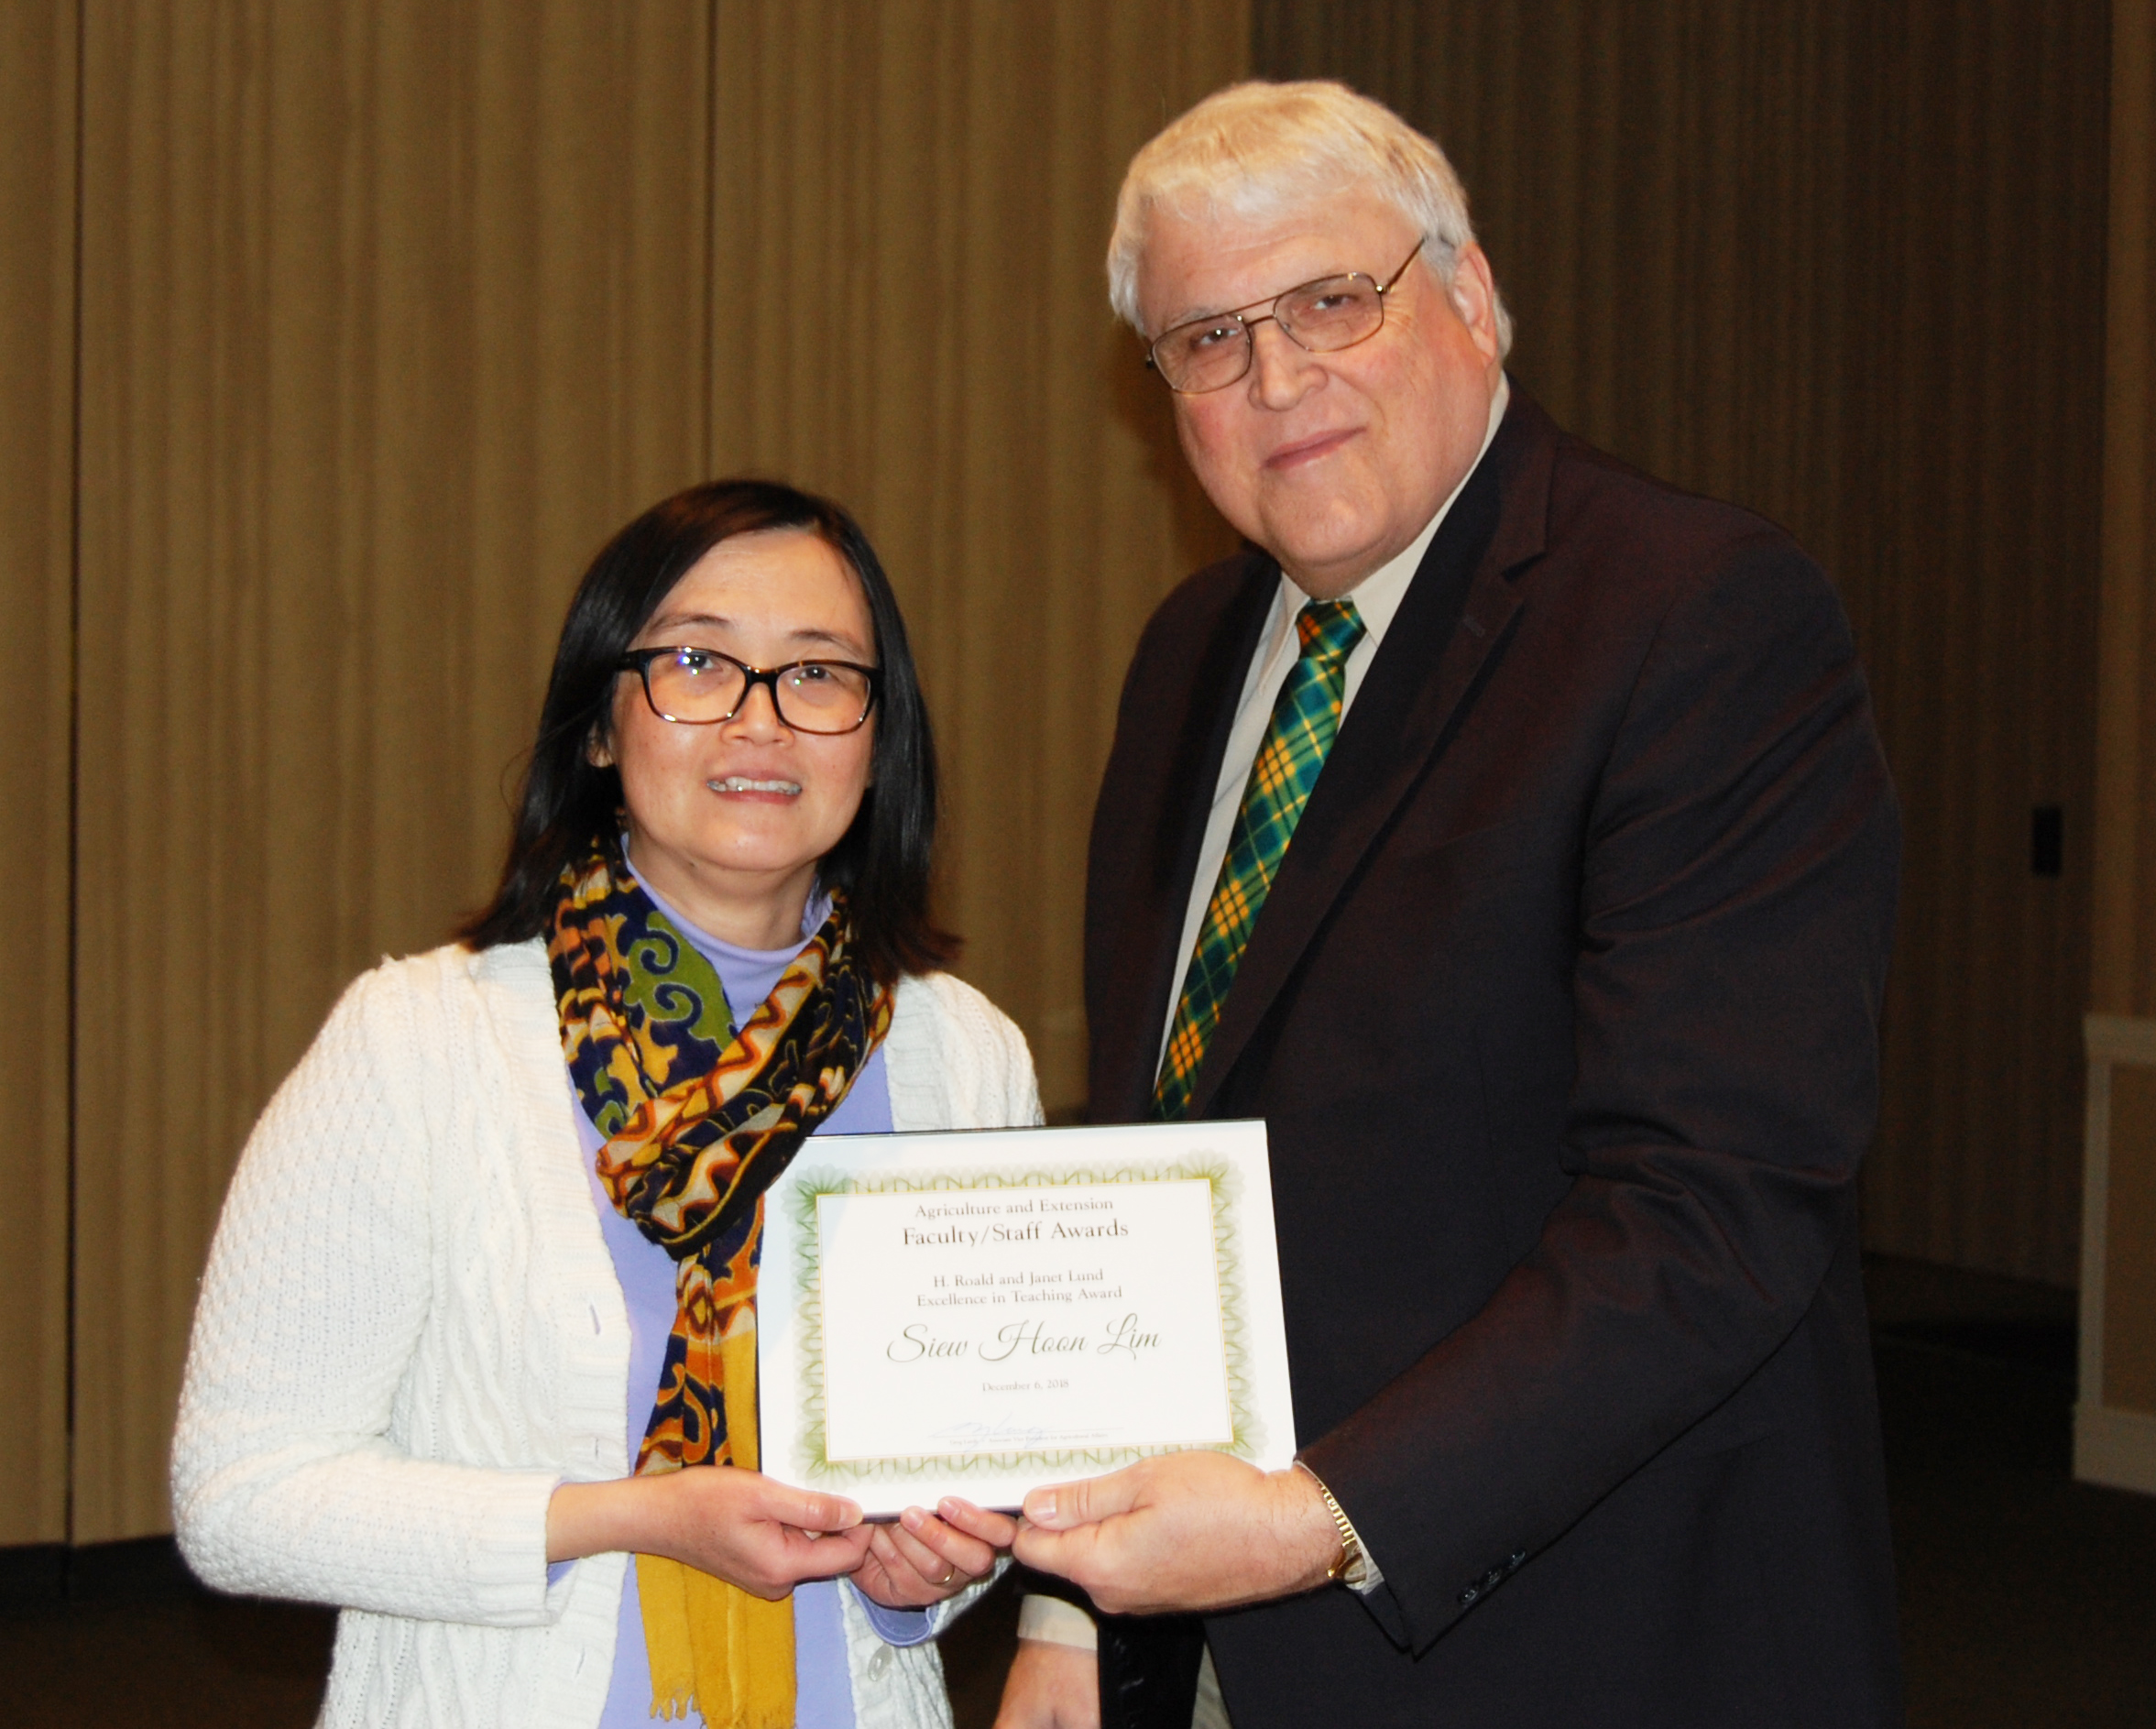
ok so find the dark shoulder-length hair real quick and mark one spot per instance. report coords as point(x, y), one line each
point(568, 802)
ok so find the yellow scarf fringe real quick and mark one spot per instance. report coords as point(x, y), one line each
point(713, 1645)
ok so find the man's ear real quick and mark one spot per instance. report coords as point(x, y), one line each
point(1475, 297)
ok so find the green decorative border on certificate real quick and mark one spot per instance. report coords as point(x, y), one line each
point(809, 1187)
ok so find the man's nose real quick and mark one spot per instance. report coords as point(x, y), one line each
point(1281, 370)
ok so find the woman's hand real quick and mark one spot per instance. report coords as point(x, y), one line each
point(735, 1525)
point(924, 1558)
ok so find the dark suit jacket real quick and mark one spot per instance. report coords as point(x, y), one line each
point(1563, 1018)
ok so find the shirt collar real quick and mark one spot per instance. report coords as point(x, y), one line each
point(812, 915)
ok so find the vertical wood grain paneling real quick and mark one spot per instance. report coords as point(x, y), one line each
point(1843, 262)
point(1969, 557)
point(2124, 979)
point(37, 91)
point(2124, 956)
point(909, 311)
point(390, 314)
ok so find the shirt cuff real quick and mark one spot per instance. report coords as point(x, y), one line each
point(1056, 1622)
point(895, 1626)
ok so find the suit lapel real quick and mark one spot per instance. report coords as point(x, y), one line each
point(1456, 617)
point(1146, 965)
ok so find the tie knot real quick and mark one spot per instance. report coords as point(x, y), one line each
point(1329, 629)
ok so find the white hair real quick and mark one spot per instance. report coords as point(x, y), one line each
point(1257, 149)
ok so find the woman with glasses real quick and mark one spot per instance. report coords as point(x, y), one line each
point(481, 1306)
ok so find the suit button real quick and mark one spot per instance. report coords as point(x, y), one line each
point(1467, 1597)
point(1492, 1578)
point(1518, 1559)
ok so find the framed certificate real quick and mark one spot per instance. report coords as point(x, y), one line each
point(976, 1313)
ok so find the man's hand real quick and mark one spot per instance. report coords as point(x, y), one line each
point(924, 1558)
point(1051, 1687)
point(1186, 1531)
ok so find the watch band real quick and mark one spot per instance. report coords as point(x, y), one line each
point(1349, 1569)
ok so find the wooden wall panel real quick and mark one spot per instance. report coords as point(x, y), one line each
point(1843, 262)
point(38, 90)
point(390, 314)
point(2129, 1376)
point(2124, 969)
point(1969, 554)
point(2114, 1423)
point(910, 312)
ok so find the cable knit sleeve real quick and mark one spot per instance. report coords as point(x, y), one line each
point(326, 1262)
point(957, 1061)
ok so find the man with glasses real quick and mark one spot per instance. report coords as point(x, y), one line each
point(1510, 832)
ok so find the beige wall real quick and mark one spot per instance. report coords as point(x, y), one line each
point(1843, 261)
point(387, 315)
point(36, 444)
point(2115, 1415)
point(2128, 1368)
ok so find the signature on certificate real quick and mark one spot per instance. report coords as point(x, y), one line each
point(1001, 1436)
point(1004, 1435)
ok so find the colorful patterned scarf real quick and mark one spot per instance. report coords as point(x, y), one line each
point(699, 1120)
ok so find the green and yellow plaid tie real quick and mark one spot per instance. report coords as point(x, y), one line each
point(1304, 721)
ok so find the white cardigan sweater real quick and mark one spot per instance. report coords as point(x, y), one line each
point(410, 1332)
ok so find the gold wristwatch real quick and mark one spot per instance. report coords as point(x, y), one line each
point(1351, 1568)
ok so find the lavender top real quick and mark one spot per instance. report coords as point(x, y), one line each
point(824, 1694)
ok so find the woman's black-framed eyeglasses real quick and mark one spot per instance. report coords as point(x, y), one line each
point(700, 687)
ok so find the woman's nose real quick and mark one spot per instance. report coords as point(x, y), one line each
point(758, 716)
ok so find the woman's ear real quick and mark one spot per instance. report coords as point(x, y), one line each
point(598, 751)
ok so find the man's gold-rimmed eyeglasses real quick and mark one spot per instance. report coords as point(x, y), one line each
point(1333, 313)
point(700, 687)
